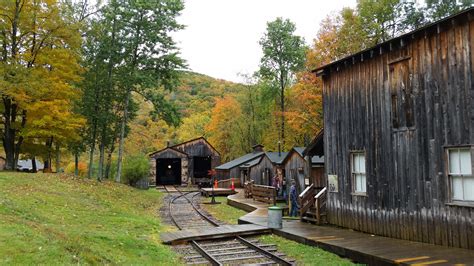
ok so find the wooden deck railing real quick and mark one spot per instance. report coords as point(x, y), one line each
point(248, 189)
point(264, 193)
point(320, 201)
point(306, 199)
point(227, 183)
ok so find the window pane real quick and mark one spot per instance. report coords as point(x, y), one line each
point(363, 183)
point(465, 159)
point(456, 185)
point(468, 188)
point(454, 161)
point(357, 183)
point(362, 163)
point(355, 163)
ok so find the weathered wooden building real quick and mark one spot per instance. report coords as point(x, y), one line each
point(314, 156)
point(235, 168)
point(189, 161)
point(294, 165)
point(399, 135)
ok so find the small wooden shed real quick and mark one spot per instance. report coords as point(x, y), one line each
point(399, 135)
point(314, 157)
point(187, 162)
point(234, 169)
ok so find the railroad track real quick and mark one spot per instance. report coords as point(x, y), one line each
point(185, 214)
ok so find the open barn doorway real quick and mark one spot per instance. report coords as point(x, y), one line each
point(202, 165)
point(168, 171)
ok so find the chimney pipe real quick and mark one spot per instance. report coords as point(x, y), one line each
point(279, 148)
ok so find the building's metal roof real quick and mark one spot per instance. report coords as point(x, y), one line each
point(252, 163)
point(299, 150)
point(239, 161)
point(276, 157)
point(317, 159)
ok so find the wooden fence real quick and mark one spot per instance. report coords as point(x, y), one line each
point(227, 183)
point(265, 194)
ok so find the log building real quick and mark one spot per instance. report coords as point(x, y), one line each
point(399, 135)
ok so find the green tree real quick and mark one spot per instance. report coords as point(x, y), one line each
point(150, 58)
point(438, 9)
point(283, 56)
point(39, 48)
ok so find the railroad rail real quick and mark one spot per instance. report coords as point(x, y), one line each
point(235, 250)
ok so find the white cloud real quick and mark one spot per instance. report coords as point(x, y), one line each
point(221, 36)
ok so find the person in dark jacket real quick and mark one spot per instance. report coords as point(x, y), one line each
point(293, 199)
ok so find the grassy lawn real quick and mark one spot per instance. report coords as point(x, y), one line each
point(223, 211)
point(58, 219)
point(305, 255)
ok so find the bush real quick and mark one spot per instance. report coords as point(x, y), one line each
point(135, 168)
point(81, 166)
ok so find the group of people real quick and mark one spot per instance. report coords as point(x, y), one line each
point(280, 184)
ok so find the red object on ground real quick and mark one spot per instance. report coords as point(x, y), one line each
point(232, 184)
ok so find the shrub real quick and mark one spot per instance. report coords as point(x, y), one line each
point(135, 168)
point(81, 166)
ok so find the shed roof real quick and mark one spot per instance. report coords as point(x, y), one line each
point(177, 146)
point(316, 147)
point(299, 150)
point(167, 149)
point(396, 41)
point(252, 163)
point(317, 159)
point(241, 160)
point(276, 157)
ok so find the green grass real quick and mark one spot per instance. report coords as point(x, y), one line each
point(223, 212)
point(305, 255)
point(58, 219)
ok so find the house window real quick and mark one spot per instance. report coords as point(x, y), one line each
point(359, 180)
point(460, 174)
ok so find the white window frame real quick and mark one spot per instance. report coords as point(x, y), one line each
point(460, 175)
point(357, 175)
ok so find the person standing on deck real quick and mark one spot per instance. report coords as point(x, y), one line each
point(293, 199)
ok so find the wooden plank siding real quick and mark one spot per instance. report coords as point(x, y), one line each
point(256, 172)
point(402, 105)
point(187, 151)
point(294, 166)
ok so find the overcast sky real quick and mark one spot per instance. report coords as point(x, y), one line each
point(221, 36)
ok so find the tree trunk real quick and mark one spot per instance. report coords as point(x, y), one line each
point(76, 164)
point(34, 168)
point(109, 158)
point(47, 163)
point(58, 158)
point(9, 132)
point(101, 160)
point(122, 137)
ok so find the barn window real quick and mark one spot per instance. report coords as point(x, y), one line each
point(359, 181)
point(460, 174)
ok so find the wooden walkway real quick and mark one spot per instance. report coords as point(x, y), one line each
point(360, 247)
point(217, 192)
point(223, 231)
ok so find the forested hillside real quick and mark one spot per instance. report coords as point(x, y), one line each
point(194, 98)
